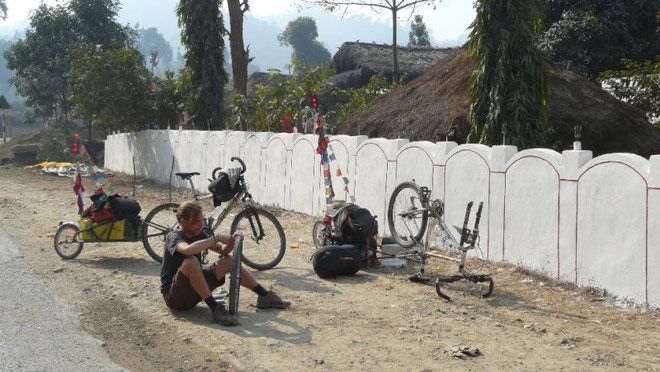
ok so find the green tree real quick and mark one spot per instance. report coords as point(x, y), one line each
point(110, 86)
point(240, 56)
point(150, 40)
point(509, 86)
point(201, 33)
point(41, 60)
point(167, 100)
point(95, 22)
point(591, 36)
point(301, 34)
point(419, 34)
point(638, 84)
point(394, 7)
point(3, 9)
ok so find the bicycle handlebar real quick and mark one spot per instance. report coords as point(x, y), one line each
point(235, 158)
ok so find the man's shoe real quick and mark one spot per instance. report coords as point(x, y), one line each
point(272, 301)
point(222, 316)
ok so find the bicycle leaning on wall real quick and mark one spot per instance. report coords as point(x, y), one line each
point(264, 244)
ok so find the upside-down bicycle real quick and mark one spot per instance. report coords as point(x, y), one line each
point(264, 244)
point(408, 213)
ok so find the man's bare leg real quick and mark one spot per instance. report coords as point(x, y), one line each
point(224, 266)
point(193, 271)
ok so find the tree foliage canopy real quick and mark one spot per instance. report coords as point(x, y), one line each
point(3, 9)
point(591, 36)
point(419, 34)
point(41, 60)
point(509, 87)
point(638, 84)
point(110, 85)
point(301, 34)
point(201, 33)
point(149, 40)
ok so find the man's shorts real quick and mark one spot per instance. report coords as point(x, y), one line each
point(182, 296)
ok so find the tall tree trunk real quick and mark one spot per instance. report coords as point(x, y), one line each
point(239, 56)
point(395, 62)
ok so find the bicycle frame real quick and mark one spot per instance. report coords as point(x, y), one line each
point(468, 240)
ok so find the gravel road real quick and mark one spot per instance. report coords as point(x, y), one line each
point(39, 332)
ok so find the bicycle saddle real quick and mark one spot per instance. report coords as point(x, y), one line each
point(186, 175)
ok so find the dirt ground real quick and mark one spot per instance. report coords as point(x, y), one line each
point(372, 321)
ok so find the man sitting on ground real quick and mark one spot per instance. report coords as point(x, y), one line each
point(184, 282)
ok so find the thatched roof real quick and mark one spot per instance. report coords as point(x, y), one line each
point(427, 107)
point(260, 78)
point(357, 62)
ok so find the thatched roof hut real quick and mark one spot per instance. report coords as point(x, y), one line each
point(357, 62)
point(426, 109)
point(260, 78)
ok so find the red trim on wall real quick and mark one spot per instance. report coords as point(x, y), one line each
point(558, 205)
point(444, 191)
point(646, 248)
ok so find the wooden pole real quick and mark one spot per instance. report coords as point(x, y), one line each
point(171, 171)
point(134, 175)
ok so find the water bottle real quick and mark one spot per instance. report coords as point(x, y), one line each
point(447, 242)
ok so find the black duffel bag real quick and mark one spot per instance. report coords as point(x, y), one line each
point(123, 207)
point(335, 260)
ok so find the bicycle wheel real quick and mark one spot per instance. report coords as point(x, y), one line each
point(318, 234)
point(406, 216)
point(264, 243)
point(235, 276)
point(155, 227)
point(66, 241)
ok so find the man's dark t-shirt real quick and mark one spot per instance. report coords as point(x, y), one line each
point(172, 259)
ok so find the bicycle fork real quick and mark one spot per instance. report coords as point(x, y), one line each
point(468, 241)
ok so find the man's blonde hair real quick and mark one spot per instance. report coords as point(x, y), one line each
point(188, 210)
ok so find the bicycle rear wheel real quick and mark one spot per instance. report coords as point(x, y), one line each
point(264, 244)
point(235, 276)
point(318, 234)
point(155, 227)
point(406, 216)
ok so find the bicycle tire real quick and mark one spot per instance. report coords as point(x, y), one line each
point(264, 249)
point(159, 222)
point(235, 276)
point(73, 240)
point(318, 235)
point(402, 237)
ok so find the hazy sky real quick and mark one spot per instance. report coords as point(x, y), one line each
point(447, 21)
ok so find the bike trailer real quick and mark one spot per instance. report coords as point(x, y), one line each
point(224, 187)
point(335, 260)
point(125, 229)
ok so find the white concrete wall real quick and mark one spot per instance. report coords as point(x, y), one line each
point(589, 221)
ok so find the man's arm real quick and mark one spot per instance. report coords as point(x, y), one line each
point(196, 247)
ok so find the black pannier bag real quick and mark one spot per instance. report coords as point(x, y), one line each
point(222, 189)
point(356, 223)
point(335, 260)
point(123, 207)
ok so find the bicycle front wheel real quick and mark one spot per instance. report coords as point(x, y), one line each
point(155, 227)
point(235, 276)
point(406, 216)
point(264, 244)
